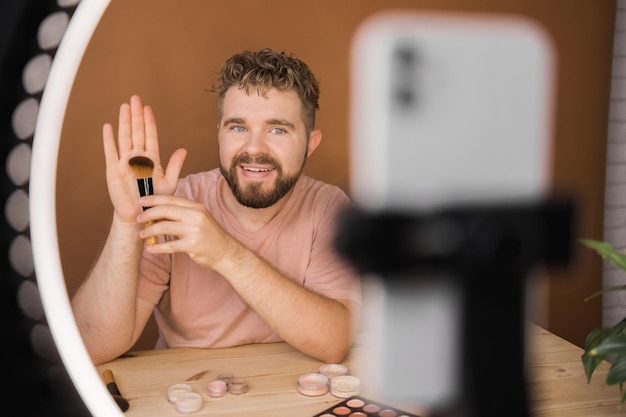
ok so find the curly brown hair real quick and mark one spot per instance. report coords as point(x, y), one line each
point(266, 69)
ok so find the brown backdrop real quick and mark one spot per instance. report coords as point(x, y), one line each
point(170, 55)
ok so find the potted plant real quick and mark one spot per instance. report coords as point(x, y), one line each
point(607, 342)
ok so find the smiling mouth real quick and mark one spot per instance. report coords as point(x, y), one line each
point(252, 169)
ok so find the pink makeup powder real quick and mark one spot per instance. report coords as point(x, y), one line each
point(371, 408)
point(313, 384)
point(355, 403)
point(217, 388)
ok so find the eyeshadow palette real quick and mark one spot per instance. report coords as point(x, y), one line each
point(362, 407)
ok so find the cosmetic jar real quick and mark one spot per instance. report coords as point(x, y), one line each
point(176, 390)
point(217, 388)
point(188, 403)
point(238, 386)
point(332, 370)
point(313, 384)
point(226, 377)
point(345, 386)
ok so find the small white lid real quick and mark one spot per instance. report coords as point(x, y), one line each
point(312, 381)
point(176, 390)
point(332, 370)
point(190, 402)
point(344, 386)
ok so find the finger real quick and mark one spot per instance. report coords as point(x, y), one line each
point(138, 126)
point(170, 246)
point(108, 142)
point(152, 141)
point(124, 129)
point(175, 166)
point(162, 200)
point(164, 227)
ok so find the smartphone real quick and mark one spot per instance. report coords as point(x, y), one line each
point(447, 108)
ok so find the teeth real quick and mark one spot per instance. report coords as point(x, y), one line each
point(258, 169)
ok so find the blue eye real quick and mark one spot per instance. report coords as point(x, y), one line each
point(278, 130)
point(238, 128)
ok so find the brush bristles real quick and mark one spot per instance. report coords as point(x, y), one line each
point(142, 166)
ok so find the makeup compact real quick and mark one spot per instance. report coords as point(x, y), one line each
point(313, 384)
point(361, 407)
point(345, 386)
point(332, 370)
point(226, 377)
point(176, 390)
point(217, 388)
point(189, 403)
point(237, 386)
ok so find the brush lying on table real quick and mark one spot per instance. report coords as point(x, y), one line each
point(109, 381)
point(143, 167)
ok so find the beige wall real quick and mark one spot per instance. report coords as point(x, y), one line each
point(170, 55)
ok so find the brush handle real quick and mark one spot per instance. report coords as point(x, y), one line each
point(152, 240)
point(145, 188)
point(109, 381)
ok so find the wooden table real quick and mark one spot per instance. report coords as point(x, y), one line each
point(558, 384)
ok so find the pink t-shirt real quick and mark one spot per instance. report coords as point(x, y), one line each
point(197, 307)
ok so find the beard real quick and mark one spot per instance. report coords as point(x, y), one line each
point(253, 195)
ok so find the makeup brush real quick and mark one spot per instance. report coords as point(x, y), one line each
point(142, 167)
point(109, 381)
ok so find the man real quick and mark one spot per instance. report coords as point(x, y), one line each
point(245, 252)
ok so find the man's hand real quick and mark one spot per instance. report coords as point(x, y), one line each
point(197, 232)
point(137, 136)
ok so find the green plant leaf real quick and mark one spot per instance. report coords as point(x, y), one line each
point(613, 344)
point(605, 290)
point(607, 251)
point(590, 363)
point(617, 373)
point(594, 338)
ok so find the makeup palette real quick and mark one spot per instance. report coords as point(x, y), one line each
point(361, 407)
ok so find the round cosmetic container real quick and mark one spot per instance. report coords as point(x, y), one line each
point(238, 386)
point(176, 390)
point(345, 386)
point(217, 388)
point(332, 370)
point(188, 403)
point(226, 377)
point(313, 384)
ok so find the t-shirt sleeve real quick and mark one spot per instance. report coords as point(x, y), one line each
point(328, 273)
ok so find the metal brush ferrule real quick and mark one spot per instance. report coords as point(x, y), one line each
point(145, 187)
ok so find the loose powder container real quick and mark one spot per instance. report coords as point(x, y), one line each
point(176, 390)
point(332, 370)
point(226, 377)
point(345, 386)
point(217, 388)
point(313, 384)
point(188, 403)
point(238, 386)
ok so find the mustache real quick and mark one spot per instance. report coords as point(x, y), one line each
point(246, 158)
